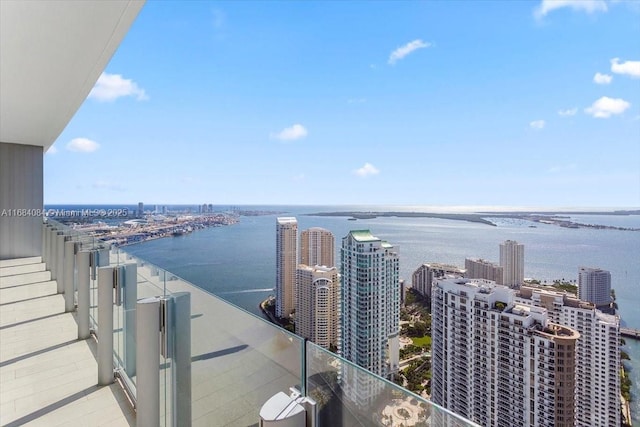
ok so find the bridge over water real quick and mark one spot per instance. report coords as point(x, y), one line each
point(630, 333)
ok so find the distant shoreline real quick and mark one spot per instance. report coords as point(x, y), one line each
point(551, 218)
point(371, 215)
point(616, 212)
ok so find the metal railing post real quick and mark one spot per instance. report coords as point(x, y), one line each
point(105, 327)
point(59, 243)
point(70, 249)
point(148, 351)
point(53, 237)
point(45, 244)
point(182, 357)
point(43, 251)
point(82, 263)
point(129, 283)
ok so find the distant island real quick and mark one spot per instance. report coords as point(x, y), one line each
point(555, 213)
point(553, 218)
point(371, 215)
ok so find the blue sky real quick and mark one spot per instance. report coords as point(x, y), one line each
point(419, 103)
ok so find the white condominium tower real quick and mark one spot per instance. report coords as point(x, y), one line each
point(597, 396)
point(594, 285)
point(317, 247)
point(317, 304)
point(423, 277)
point(478, 268)
point(512, 262)
point(498, 362)
point(370, 303)
point(286, 263)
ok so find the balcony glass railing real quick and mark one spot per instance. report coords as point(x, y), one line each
point(239, 360)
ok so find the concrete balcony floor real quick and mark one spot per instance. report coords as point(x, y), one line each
point(47, 376)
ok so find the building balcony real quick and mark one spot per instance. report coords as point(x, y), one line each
point(218, 367)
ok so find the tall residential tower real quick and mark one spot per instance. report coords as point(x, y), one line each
point(512, 262)
point(423, 276)
point(594, 285)
point(286, 262)
point(370, 306)
point(317, 247)
point(317, 304)
point(597, 395)
point(499, 362)
point(317, 288)
point(478, 268)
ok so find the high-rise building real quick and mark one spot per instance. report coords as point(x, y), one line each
point(317, 304)
point(478, 268)
point(512, 262)
point(140, 211)
point(597, 392)
point(286, 263)
point(498, 362)
point(370, 307)
point(423, 276)
point(317, 247)
point(594, 285)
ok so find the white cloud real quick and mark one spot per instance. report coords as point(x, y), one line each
point(298, 178)
point(537, 124)
point(630, 68)
point(405, 50)
point(52, 150)
point(110, 87)
point(589, 6)
point(602, 79)
point(367, 170)
point(82, 145)
point(292, 133)
point(356, 100)
point(108, 185)
point(568, 112)
point(605, 107)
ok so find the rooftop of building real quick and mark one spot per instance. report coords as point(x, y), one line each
point(593, 270)
point(363, 236)
point(287, 220)
point(570, 300)
point(442, 266)
point(483, 261)
point(320, 268)
point(560, 331)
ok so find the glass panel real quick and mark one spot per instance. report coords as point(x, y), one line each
point(348, 395)
point(239, 361)
point(93, 299)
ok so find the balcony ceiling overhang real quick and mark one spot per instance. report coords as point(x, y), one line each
point(51, 55)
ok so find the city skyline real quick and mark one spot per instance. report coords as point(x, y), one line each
point(188, 117)
point(259, 90)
